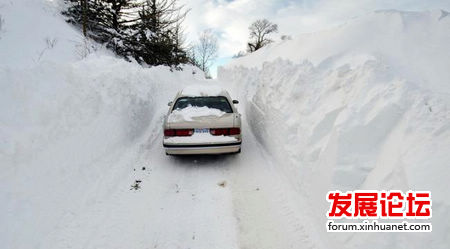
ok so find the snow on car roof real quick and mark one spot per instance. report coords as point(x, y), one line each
point(203, 90)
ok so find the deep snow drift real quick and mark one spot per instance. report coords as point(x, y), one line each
point(33, 31)
point(81, 159)
point(362, 106)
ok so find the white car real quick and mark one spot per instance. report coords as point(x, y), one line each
point(202, 120)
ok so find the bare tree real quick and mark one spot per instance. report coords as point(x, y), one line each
point(259, 32)
point(205, 52)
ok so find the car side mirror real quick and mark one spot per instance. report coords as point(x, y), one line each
point(170, 103)
point(235, 101)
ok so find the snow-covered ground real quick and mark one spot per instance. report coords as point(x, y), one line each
point(82, 163)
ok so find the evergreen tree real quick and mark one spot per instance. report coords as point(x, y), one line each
point(156, 37)
point(90, 16)
point(148, 31)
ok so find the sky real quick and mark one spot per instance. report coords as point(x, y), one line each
point(229, 19)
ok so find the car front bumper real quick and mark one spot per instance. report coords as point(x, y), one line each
point(202, 149)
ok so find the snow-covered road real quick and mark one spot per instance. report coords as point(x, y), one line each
point(75, 146)
point(224, 201)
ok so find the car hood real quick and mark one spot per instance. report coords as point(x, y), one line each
point(211, 121)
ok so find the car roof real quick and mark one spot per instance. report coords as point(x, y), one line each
point(203, 90)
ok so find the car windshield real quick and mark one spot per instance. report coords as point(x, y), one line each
point(217, 102)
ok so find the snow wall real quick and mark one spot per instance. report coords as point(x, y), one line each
point(66, 119)
point(361, 106)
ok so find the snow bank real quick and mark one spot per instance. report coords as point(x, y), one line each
point(33, 32)
point(62, 126)
point(414, 43)
point(190, 113)
point(66, 123)
point(363, 106)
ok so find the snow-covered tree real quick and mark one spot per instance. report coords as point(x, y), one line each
point(147, 31)
point(156, 38)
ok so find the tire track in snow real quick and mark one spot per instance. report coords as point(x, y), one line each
point(267, 214)
point(179, 204)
